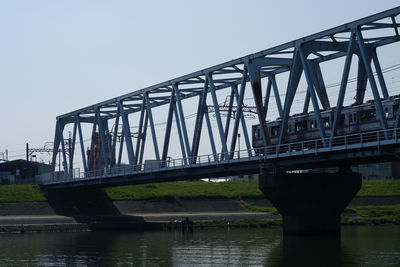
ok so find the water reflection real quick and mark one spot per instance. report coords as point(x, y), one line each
point(311, 251)
point(359, 246)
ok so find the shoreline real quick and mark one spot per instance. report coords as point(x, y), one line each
point(168, 226)
point(165, 215)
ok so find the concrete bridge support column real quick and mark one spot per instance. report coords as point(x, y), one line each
point(310, 203)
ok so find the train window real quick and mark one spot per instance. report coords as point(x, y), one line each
point(313, 124)
point(325, 122)
point(352, 117)
point(395, 108)
point(341, 120)
point(387, 112)
point(367, 115)
point(274, 130)
point(290, 128)
point(256, 132)
point(300, 126)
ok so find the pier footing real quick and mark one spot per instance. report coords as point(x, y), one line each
point(310, 203)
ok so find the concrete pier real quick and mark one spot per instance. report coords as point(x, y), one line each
point(80, 201)
point(310, 203)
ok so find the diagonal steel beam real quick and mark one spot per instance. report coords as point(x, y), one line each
point(180, 135)
point(379, 74)
point(362, 79)
point(255, 80)
point(239, 113)
point(153, 131)
point(228, 117)
point(306, 102)
point(366, 60)
point(313, 96)
point(144, 135)
point(218, 117)
point(294, 78)
point(267, 95)
point(182, 118)
point(320, 85)
point(277, 97)
point(127, 134)
point(343, 85)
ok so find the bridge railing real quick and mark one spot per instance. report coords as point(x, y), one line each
point(343, 142)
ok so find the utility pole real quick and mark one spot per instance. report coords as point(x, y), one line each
point(27, 151)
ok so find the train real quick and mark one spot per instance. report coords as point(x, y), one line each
point(353, 119)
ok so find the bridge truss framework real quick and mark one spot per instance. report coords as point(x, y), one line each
point(360, 38)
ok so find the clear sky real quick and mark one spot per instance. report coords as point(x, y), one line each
point(58, 56)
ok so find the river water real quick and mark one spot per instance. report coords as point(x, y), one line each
point(358, 246)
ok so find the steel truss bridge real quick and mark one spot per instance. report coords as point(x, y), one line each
point(359, 39)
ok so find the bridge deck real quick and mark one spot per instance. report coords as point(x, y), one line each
point(347, 149)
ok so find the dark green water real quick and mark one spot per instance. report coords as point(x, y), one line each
point(358, 246)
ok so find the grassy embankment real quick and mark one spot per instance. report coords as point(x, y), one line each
point(229, 190)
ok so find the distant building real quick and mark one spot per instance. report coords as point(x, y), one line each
point(21, 171)
point(374, 171)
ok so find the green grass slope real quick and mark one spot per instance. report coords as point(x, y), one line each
point(187, 190)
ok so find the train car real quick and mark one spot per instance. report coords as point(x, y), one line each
point(354, 119)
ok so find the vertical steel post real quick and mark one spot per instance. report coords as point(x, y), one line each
point(102, 137)
point(168, 128)
point(239, 115)
point(56, 147)
point(72, 151)
point(78, 122)
point(211, 136)
point(115, 136)
point(199, 120)
point(121, 147)
point(140, 131)
point(92, 144)
point(64, 154)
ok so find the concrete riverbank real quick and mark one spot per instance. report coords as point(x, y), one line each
point(39, 216)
